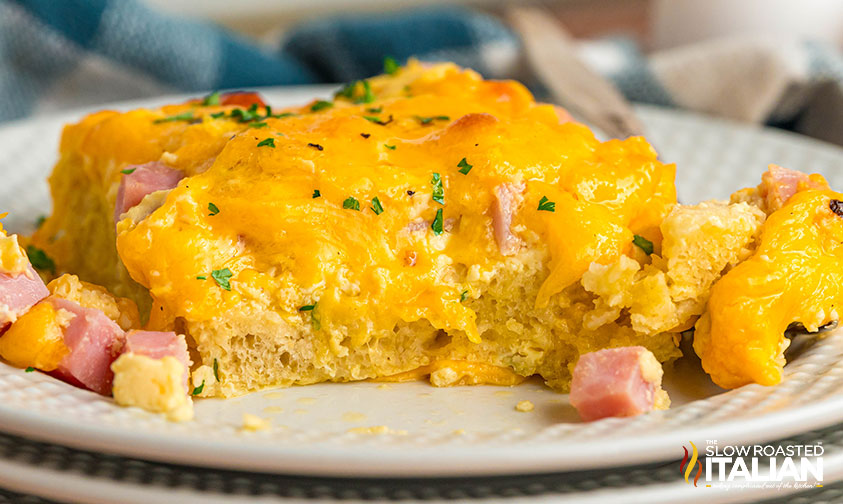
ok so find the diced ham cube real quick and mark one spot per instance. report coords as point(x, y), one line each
point(145, 179)
point(617, 382)
point(503, 210)
point(19, 293)
point(158, 345)
point(779, 184)
point(242, 99)
point(94, 341)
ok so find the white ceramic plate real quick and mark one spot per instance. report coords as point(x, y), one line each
point(457, 431)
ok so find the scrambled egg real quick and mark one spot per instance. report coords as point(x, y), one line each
point(155, 385)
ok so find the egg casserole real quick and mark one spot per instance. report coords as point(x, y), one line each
point(423, 223)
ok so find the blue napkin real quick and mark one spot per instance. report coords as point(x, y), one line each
point(61, 53)
point(44, 41)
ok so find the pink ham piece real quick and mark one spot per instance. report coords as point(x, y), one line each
point(158, 345)
point(146, 179)
point(779, 184)
point(94, 341)
point(617, 382)
point(503, 209)
point(18, 294)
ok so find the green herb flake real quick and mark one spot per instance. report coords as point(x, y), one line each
point(377, 120)
point(268, 141)
point(390, 66)
point(428, 120)
point(216, 370)
point(128, 171)
point(464, 166)
point(201, 277)
point(368, 95)
point(390, 147)
point(347, 91)
point(438, 190)
point(284, 115)
point(246, 115)
point(211, 99)
point(437, 223)
point(258, 125)
point(321, 105)
point(222, 277)
point(351, 203)
point(185, 116)
point(375, 110)
point(376, 206)
point(29, 369)
point(643, 243)
point(316, 194)
point(40, 260)
point(198, 390)
point(463, 296)
point(314, 319)
point(40, 221)
point(213, 209)
point(217, 115)
point(546, 205)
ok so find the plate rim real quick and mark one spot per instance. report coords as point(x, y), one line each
point(510, 458)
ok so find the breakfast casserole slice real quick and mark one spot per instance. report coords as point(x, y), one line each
point(425, 222)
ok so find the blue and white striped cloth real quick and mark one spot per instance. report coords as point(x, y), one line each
point(62, 53)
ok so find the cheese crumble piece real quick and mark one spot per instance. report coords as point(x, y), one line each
point(524, 406)
point(254, 423)
point(155, 385)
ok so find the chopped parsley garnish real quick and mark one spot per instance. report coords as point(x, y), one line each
point(437, 223)
point(351, 203)
point(390, 66)
point(377, 120)
point(316, 146)
point(463, 296)
point(438, 190)
point(198, 390)
point(321, 105)
point(216, 370)
point(547, 205)
point(213, 209)
point(350, 90)
point(464, 166)
point(365, 135)
point(249, 115)
point(211, 99)
point(390, 147)
point(316, 193)
point(222, 277)
point(39, 259)
point(260, 124)
point(428, 120)
point(284, 114)
point(217, 115)
point(40, 221)
point(128, 171)
point(375, 110)
point(269, 141)
point(368, 95)
point(201, 277)
point(643, 243)
point(314, 320)
point(29, 369)
point(376, 206)
point(184, 116)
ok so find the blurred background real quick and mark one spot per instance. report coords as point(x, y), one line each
point(772, 62)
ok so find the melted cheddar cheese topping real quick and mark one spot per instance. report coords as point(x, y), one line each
point(298, 199)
